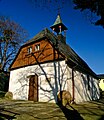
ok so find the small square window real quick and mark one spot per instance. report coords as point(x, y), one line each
point(29, 50)
point(37, 47)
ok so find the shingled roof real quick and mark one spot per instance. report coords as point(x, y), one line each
point(63, 48)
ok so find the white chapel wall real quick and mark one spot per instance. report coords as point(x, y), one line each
point(83, 92)
point(18, 84)
point(56, 72)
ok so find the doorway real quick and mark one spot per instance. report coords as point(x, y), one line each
point(33, 88)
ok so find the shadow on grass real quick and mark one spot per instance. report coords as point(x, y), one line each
point(101, 101)
point(7, 117)
point(102, 117)
point(5, 114)
point(70, 114)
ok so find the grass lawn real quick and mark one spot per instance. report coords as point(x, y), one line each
point(28, 110)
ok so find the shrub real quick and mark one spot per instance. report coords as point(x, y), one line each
point(2, 94)
point(4, 81)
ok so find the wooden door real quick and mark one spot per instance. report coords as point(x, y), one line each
point(33, 88)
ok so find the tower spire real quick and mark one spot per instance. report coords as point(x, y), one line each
point(58, 25)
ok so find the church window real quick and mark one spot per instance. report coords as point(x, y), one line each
point(37, 47)
point(29, 50)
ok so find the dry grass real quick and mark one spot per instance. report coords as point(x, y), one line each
point(28, 110)
point(91, 110)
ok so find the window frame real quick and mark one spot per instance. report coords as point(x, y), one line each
point(29, 50)
point(37, 47)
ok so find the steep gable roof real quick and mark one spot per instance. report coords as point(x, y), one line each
point(36, 37)
point(63, 48)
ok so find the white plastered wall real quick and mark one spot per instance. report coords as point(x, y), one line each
point(83, 91)
point(56, 73)
point(60, 78)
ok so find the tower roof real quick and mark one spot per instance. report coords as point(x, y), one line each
point(58, 22)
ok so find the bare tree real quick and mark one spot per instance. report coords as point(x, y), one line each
point(12, 35)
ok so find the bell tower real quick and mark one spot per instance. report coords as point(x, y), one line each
point(58, 25)
point(59, 28)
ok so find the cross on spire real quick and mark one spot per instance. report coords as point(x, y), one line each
point(58, 9)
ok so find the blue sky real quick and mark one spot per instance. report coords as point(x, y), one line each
point(86, 39)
